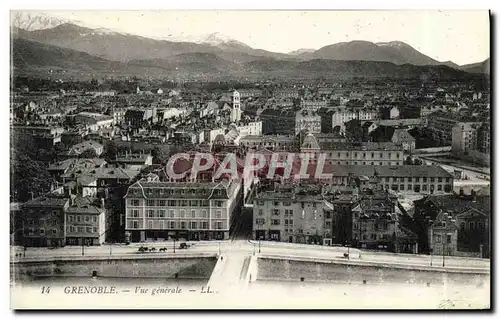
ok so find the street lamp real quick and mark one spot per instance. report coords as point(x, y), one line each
point(83, 246)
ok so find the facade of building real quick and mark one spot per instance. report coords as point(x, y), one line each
point(85, 222)
point(440, 125)
point(307, 120)
point(375, 225)
point(42, 221)
point(455, 224)
point(293, 214)
point(195, 211)
point(365, 153)
point(345, 115)
point(271, 142)
point(484, 138)
point(464, 137)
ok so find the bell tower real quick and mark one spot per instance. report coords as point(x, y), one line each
point(236, 110)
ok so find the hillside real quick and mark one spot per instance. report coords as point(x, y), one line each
point(32, 57)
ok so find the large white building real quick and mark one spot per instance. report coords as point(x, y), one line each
point(341, 116)
point(190, 210)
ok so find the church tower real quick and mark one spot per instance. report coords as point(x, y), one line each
point(236, 110)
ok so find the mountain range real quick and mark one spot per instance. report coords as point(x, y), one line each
point(98, 48)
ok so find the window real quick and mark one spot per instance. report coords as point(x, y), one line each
point(471, 225)
point(134, 202)
point(290, 222)
point(417, 179)
point(70, 218)
point(194, 225)
point(402, 187)
point(440, 187)
point(87, 218)
point(161, 213)
point(276, 203)
point(424, 187)
point(261, 212)
point(182, 213)
point(184, 202)
point(150, 224)
point(275, 222)
point(286, 221)
point(193, 213)
point(79, 219)
point(172, 203)
point(218, 225)
point(438, 238)
point(276, 212)
point(259, 221)
point(172, 225)
point(162, 225)
point(183, 225)
point(448, 239)
point(440, 179)
point(416, 188)
point(94, 219)
point(425, 179)
point(72, 229)
point(135, 213)
point(373, 155)
point(287, 203)
point(194, 203)
point(204, 225)
point(172, 213)
point(394, 179)
point(462, 226)
point(218, 203)
point(409, 179)
point(218, 214)
point(88, 230)
point(151, 213)
point(432, 179)
point(162, 202)
point(150, 202)
point(94, 230)
point(42, 232)
point(387, 179)
point(204, 213)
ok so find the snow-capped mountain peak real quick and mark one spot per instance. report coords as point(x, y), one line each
point(32, 20)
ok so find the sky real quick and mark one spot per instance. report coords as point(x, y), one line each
point(459, 36)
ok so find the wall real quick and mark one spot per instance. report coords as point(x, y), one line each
point(293, 270)
point(137, 266)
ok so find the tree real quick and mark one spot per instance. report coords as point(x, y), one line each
point(27, 175)
point(110, 151)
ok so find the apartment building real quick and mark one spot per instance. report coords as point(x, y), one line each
point(440, 125)
point(195, 211)
point(85, 222)
point(364, 153)
point(344, 115)
point(307, 120)
point(464, 137)
point(376, 225)
point(271, 142)
point(42, 221)
point(293, 214)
